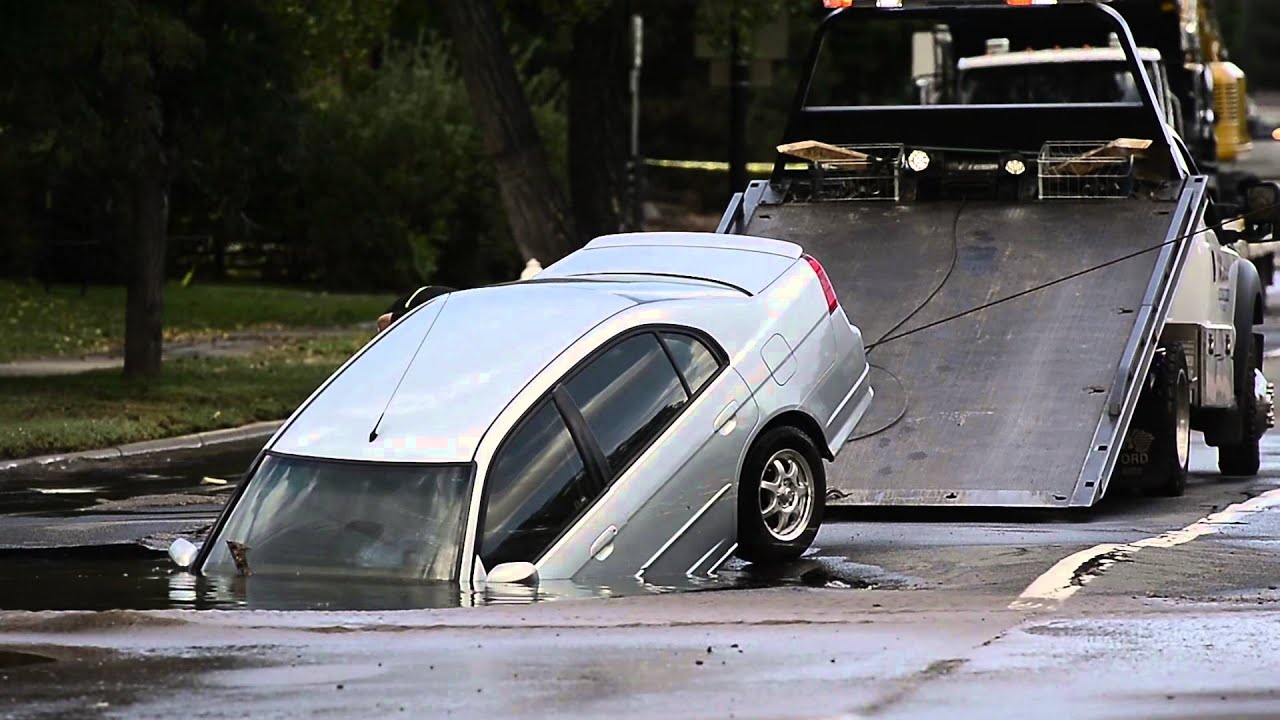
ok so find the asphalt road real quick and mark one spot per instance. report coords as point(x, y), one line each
point(1139, 608)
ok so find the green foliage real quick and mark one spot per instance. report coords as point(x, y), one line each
point(305, 124)
point(393, 186)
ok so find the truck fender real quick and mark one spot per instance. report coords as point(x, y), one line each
point(1225, 427)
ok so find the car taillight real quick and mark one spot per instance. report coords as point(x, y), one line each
point(825, 282)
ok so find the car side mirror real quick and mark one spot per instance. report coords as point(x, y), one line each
point(1262, 203)
point(524, 573)
point(1256, 220)
point(183, 552)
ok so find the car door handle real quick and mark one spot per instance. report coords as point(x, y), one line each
point(726, 421)
point(602, 548)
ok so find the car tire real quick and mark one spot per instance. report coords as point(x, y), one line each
point(1244, 459)
point(781, 496)
point(1157, 449)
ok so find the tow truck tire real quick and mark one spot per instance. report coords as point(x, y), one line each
point(783, 468)
point(1157, 450)
point(1172, 423)
point(1245, 459)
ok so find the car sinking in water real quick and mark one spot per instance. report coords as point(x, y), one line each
point(646, 407)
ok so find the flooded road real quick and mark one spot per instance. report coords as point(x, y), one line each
point(1139, 608)
point(93, 535)
point(897, 614)
point(134, 577)
point(80, 485)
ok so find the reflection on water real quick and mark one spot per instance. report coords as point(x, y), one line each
point(132, 577)
point(77, 485)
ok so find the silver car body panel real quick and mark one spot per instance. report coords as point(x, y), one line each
point(443, 373)
point(697, 239)
point(453, 378)
point(651, 526)
point(679, 255)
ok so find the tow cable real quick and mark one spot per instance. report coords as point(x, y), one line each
point(889, 335)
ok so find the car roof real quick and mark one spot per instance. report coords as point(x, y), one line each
point(441, 375)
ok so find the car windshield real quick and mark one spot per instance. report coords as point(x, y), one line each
point(301, 516)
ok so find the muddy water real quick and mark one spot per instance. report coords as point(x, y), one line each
point(79, 485)
point(123, 513)
point(132, 577)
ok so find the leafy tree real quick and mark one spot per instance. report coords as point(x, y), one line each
point(87, 90)
point(390, 190)
point(540, 220)
point(136, 94)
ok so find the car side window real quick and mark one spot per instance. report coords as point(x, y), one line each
point(537, 485)
point(693, 359)
point(627, 396)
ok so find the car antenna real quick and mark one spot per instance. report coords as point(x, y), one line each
point(373, 434)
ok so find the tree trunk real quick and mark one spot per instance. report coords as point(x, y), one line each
point(598, 120)
point(144, 299)
point(535, 206)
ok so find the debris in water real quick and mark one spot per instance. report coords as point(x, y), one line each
point(240, 556)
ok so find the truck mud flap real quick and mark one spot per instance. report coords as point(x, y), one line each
point(1012, 405)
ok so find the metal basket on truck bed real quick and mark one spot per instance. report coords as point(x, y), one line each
point(1084, 170)
point(848, 172)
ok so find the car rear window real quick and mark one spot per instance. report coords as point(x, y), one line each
point(694, 361)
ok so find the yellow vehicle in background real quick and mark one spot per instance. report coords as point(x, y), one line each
point(1230, 87)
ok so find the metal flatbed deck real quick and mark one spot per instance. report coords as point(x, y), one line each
point(1002, 407)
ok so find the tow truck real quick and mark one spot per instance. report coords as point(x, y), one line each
point(1203, 94)
point(1047, 289)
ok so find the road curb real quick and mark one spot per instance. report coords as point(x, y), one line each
point(193, 441)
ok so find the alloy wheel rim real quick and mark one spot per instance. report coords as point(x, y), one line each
point(786, 495)
point(1183, 429)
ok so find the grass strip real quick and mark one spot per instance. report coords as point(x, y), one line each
point(61, 323)
point(102, 409)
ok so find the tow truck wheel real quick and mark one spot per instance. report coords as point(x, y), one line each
point(1173, 424)
point(781, 496)
point(1246, 458)
point(1157, 450)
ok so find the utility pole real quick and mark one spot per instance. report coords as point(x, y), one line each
point(738, 85)
point(637, 162)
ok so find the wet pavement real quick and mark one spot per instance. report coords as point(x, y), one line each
point(896, 613)
point(1138, 608)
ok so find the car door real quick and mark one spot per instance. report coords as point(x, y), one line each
point(669, 420)
point(539, 483)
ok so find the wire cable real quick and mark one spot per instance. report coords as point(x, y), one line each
point(1063, 279)
point(955, 254)
point(906, 396)
point(890, 337)
point(906, 403)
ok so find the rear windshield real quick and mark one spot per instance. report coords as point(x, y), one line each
point(1091, 82)
point(314, 517)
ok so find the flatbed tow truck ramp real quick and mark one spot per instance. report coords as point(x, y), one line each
point(1032, 277)
point(999, 407)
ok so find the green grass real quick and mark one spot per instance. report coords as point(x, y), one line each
point(103, 409)
point(62, 323)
